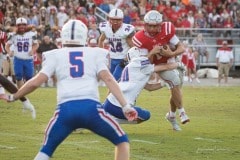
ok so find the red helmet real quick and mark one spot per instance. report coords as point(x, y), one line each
point(21, 25)
point(116, 18)
point(152, 20)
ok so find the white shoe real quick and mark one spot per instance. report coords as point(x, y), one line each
point(184, 118)
point(2, 90)
point(28, 106)
point(198, 81)
point(173, 121)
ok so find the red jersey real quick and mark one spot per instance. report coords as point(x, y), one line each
point(142, 40)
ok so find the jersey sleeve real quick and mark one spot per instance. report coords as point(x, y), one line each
point(128, 30)
point(103, 27)
point(146, 67)
point(48, 63)
point(169, 29)
point(138, 39)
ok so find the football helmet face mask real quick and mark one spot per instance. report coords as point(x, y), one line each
point(116, 18)
point(21, 25)
point(74, 32)
point(152, 22)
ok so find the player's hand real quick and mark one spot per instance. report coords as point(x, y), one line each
point(129, 112)
point(11, 54)
point(156, 50)
point(166, 51)
point(7, 97)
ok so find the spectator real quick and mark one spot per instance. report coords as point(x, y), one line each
point(46, 45)
point(228, 24)
point(53, 20)
point(126, 19)
point(199, 46)
point(224, 60)
point(43, 16)
point(191, 65)
point(105, 6)
point(62, 17)
point(93, 31)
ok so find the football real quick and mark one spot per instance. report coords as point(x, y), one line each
point(163, 47)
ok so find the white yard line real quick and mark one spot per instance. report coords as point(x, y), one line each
point(142, 141)
point(207, 139)
point(6, 147)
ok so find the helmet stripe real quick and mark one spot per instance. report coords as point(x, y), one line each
point(72, 30)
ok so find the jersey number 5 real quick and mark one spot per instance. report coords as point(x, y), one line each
point(76, 70)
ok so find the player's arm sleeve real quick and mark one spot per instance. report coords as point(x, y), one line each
point(129, 38)
point(147, 69)
point(137, 40)
point(48, 63)
point(101, 39)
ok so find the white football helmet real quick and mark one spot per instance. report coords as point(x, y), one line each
point(74, 32)
point(153, 17)
point(21, 25)
point(21, 20)
point(134, 52)
point(116, 14)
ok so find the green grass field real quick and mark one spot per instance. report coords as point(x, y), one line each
point(212, 134)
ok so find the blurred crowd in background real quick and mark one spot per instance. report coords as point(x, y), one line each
point(46, 17)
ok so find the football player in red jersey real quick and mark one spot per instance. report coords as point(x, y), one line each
point(156, 39)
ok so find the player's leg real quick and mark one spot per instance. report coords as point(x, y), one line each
point(41, 156)
point(115, 69)
point(143, 114)
point(11, 88)
point(122, 151)
point(56, 131)
point(28, 71)
point(18, 70)
point(108, 128)
point(12, 71)
point(118, 70)
point(173, 79)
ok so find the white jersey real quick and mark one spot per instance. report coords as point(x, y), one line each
point(134, 77)
point(76, 70)
point(23, 44)
point(117, 41)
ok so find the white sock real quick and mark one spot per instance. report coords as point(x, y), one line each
point(41, 156)
point(2, 90)
point(181, 110)
point(172, 114)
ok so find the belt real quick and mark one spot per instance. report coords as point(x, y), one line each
point(224, 62)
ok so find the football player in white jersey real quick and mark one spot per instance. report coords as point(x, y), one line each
point(25, 45)
point(78, 69)
point(119, 36)
point(134, 78)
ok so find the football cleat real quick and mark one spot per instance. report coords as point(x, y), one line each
point(28, 106)
point(184, 118)
point(173, 121)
